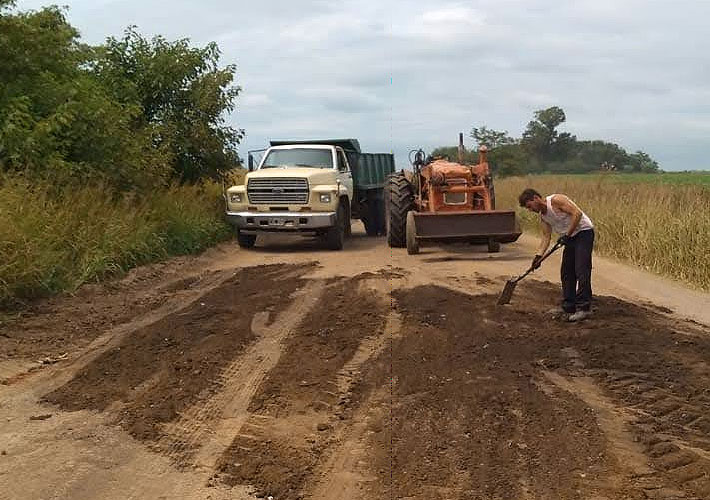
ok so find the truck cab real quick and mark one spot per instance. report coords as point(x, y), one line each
point(305, 188)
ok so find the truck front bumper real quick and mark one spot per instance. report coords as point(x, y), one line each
point(281, 221)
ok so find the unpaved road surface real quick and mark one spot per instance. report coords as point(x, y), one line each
point(289, 372)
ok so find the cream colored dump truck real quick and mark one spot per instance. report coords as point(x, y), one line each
point(311, 187)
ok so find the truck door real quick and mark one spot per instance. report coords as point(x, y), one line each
point(345, 176)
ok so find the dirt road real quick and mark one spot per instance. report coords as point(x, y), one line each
point(289, 372)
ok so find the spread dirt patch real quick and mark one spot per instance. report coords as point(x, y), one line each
point(167, 367)
point(49, 328)
point(300, 404)
point(473, 414)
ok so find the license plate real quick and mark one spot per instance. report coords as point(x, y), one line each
point(276, 222)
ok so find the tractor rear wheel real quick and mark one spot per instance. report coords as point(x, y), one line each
point(399, 200)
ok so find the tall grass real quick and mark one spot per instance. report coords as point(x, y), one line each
point(662, 228)
point(50, 241)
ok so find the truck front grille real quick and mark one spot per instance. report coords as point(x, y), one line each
point(278, 191)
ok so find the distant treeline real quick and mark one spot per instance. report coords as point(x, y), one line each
point(543, 149)
point(131, 113)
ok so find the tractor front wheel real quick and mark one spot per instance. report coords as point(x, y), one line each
point(412, 243)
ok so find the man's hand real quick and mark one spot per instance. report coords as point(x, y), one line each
point(537, 261)
point(564, 240)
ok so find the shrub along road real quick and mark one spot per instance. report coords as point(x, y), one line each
point(292, 372)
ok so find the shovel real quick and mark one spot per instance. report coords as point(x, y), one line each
point(511, 283)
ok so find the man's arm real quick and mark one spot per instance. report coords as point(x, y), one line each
point(564, 204)
point(545, 239)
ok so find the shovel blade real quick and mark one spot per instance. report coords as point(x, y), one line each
point(507, 293)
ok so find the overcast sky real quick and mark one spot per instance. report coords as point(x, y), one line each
point(402, 74)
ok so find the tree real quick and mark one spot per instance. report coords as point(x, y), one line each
point(490, 138)
point(56, 120)
point(642, 162)
point(541, 136)
point(183, 95)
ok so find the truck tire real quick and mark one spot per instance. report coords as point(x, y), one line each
point(335, 236)
point(493, 246)
point(246, 240)
point(412, 243)
point(399, 200)
point(348, 222)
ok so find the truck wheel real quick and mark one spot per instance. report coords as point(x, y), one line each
point(347, 219)
point(246, 240)
point(493, 246)
point(335, 236)
point(412, 243)
point(399, 200)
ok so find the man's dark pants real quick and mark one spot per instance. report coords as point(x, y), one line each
point(577, 272)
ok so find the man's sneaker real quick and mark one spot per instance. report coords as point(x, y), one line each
point(579, 316)
point(557, 313)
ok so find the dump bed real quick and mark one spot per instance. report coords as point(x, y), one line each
point(370, 170)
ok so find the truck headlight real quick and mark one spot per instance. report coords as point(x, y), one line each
point(235, 197)
point(325, 198)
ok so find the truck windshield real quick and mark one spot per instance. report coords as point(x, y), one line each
point(298, 157)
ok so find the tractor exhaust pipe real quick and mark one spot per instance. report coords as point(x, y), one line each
point(461, 149)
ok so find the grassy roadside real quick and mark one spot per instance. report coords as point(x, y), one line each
point(664, 228)
point(51, 243)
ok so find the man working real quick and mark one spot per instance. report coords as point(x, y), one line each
point(560, 214)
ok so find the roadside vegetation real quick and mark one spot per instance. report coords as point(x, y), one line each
point(663, 227)
point(57, 241)
point(111, 156)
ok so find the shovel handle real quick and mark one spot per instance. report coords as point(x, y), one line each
point(545, 255)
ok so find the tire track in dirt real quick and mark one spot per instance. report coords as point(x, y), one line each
point(241, 380)
point(299, 407)
point(345, 470)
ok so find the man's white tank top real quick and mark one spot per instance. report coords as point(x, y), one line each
point(560, 221)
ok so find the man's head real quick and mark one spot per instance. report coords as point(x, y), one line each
point(532, 200)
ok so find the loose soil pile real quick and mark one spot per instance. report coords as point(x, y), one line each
point(466, 400)
point(53, 327)
point(165, 368)
point(473, 413)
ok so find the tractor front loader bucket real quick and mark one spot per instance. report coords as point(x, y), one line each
point(492, 227)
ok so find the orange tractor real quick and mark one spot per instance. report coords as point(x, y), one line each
point(441, 202)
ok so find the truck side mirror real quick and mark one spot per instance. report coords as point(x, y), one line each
point(251, 162)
